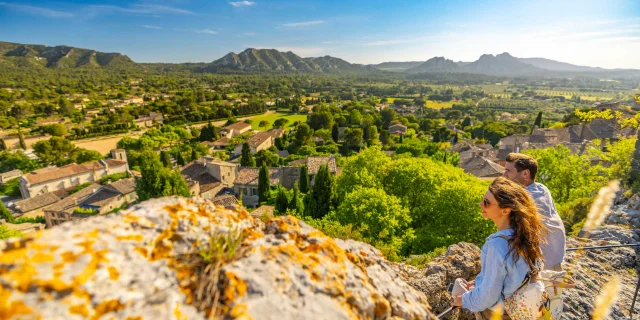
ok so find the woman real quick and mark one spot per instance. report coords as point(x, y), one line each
point(505, 263)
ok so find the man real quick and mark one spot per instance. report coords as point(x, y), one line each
point(522, 168)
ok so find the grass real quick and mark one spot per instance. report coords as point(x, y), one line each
point(273, 117)
point(420, 261)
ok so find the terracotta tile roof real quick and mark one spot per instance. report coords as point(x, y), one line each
point(100, 198)
point(228, 200)
point(12, 173)
point(314, 163)
point(482, 167)
point(37, 202)
point(238, 126)
point(197, 172)
point(276, 132)
point(124, 186)
point(258, 139)
point(250, 176)
point(111, 163)
point(49, 174)
point(70, 202)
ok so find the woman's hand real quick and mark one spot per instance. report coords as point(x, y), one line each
point(471, 284)
point(457, 301)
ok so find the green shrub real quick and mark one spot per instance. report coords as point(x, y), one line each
point(113, 177)
point(421, 260)
point(11, 188)
point(6, 233)
point(87, 212)
point(38, 219)
point(79, 187)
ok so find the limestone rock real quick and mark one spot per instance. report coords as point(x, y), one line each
point(139, 264)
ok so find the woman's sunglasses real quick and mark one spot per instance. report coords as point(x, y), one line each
point(485, 202)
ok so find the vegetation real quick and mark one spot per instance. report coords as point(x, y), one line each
point(85, 212)
point(79, 187)
point(158, 181)
point(6, 233)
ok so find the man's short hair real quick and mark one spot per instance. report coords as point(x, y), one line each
point(524, 162)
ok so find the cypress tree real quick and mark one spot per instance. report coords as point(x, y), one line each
point(296, 202)
point(282, 202)
point(455, 139)
point(264, 183)
point(246, 159)
point(165, 159)
point(23, 144)
point(335, 133)
point(194, 154)
point(400, 139)
point(322, 194)
point(180, 159)
point(538, 121)
point(3, 145)
point(304, 179)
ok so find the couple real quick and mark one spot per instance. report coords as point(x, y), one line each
point(524, 213)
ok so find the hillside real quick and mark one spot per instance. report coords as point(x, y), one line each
point(502, 64)
point(553, 65)
point(60, 57)
point(397, 66)
point(436, 64)
point(271, 60)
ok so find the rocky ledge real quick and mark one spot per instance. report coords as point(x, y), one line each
point(177, 258)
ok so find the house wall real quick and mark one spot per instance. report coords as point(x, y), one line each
point(226, 174)
point(249, 194)
point(29, 190)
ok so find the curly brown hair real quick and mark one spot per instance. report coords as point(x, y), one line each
point(524, 220)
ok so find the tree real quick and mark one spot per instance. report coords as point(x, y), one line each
point(264, 184)
point(6, 214)
point(246, 158)
point(263, 124)
point(53, 150)
point(165, 158)
point(266, 157)
point(385, 137)
point(466, 122)
point(55, 129)
point(388, 115)
point(322, 194)
point(537, 122)
point(355, 117)
point(335, 133)
point(282, 201)
point(158, 181)
point(381, 218)
point(321, 120)
point(304, 135)
point(207, 132)
point(179, 159)
point(3, 145)
point(17, 160)
point(304, 179)
point(194, 154)
point(296, 204)
point(23, 144)
point(353, 138)
point(280, 122)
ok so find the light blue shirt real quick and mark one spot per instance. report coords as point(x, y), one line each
point(554, 248)
point(500, 275)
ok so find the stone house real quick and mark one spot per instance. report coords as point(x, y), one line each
point(397, 128)
point(33, 206)
point(235, 129)
point(482, 167)
point(220, 144)
point(149, 120)
point(62, 210)
point(51, 179)
point(9, 175)
point(246, 184)
point(111, 196)
point(260, 141)
point(206, 177)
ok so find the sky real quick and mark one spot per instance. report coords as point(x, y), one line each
point(585, 32)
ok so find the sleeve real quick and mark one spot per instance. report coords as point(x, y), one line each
point(488, 293)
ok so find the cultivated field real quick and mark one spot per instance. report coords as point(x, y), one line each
point(274, 116)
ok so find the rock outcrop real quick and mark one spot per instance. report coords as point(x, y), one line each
point(177, 258)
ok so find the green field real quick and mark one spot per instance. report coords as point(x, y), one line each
point(272, 117)
point(439, 104)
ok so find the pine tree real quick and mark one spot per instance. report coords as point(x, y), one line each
point(165, 159)
point(264, 184)
point(246, 159)
point(304, 179)
point(400, 139)
point(335, 133)
point(322, 194)
point(282, 201)
point(180, 159)
point(6, 214)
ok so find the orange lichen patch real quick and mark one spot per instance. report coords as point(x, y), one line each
point(131, 237)
point(113, 273)
point(142, 250)
point(382, 307)
point(97, 258)
point(106, 307)
point(178, 313)
point(252, 234)
point(239, 311)
point(130, 218)
point(42, 257)
point(69, 257)
point(9, 309)
point(134, 318)
point(235, 288)
point(82, 294)
point(11, 256)
point(80, 309)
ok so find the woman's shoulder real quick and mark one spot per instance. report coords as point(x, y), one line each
point(497, 244)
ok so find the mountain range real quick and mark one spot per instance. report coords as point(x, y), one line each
point(273, 61)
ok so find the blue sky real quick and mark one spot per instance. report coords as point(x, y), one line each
point(586, 32)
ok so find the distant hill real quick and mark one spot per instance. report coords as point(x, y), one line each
point(60, 57)
point(397, 66)
point(503, 64)
point(436, 64)
point(271, 60)
point(553, 65)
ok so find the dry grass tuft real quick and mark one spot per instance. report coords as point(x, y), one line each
point(601, 206)
point(607, 298)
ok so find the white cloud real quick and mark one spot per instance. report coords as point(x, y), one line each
point(38, 11)
point(302, 24)
point(151, 27)
point(150, 9)
point(243, 3)
point(206, 31)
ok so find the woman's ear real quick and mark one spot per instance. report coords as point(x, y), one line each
point(506, 211)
